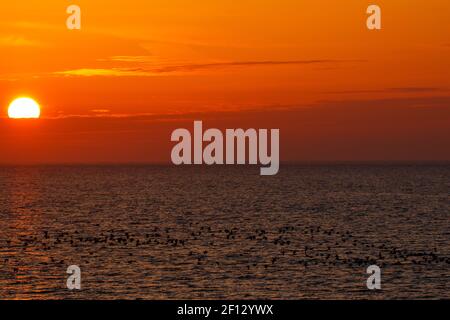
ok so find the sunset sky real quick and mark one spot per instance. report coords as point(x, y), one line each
point(115, 90)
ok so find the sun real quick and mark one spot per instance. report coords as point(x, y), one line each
point(24, 108)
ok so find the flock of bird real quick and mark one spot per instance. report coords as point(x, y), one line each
point(203, 245)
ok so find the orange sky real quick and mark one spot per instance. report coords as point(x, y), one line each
point(113, 91)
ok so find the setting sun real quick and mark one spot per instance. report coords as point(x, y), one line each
point(24, 108)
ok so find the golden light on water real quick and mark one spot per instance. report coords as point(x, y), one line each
point(24, 108)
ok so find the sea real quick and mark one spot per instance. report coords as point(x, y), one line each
point(225, 232)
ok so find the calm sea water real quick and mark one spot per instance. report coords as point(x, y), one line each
point(156, 232)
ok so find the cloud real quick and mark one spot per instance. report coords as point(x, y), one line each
point(100, 111)
point(114, 72)
point(182, 68)
point(343, 107)
point(391, 90)
point(438, 101)
point(413, 89)
point(200, 66)
point(18, 41)
point(129, 59)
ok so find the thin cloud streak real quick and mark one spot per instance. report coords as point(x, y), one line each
point(436, 102)
point(186, 68)
point(391, 90)
point(18, 41)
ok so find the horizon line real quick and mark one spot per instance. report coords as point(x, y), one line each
point(286, 163)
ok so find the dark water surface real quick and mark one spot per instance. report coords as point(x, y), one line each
point(159, 232)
